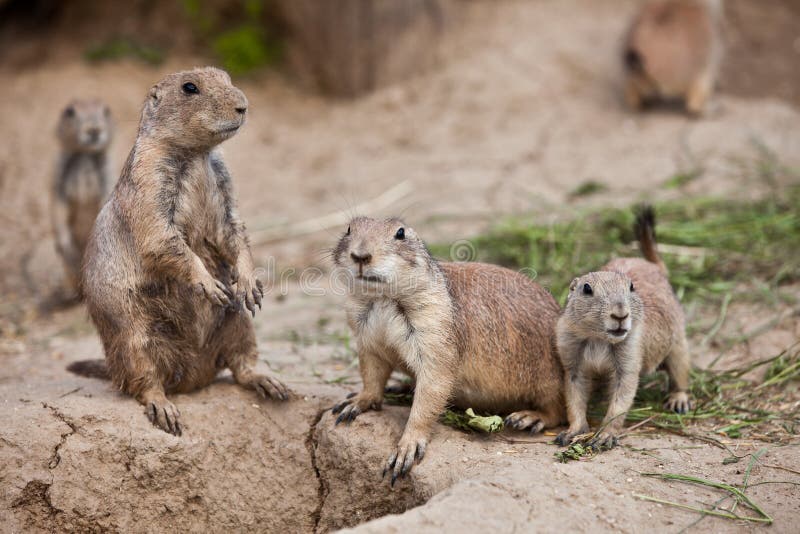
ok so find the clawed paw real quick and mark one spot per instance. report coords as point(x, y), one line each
point(165, 416)
point(214, 290)
point(402, 460)
point(603, 440)
point(566, 437)
point(678, 402)
point(353, 406)
point(525, 420)
point(249, 292)
point(270, 388)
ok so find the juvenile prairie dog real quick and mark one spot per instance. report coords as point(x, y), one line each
point(81, 180)
point(168, 271)
point(672, 51)
point(470, 334)
point(619, 323)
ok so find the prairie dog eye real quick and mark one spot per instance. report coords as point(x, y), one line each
point(632, 290)
point(401, 234)
point(348, 231)
point(69, 112)
point(190, 89)
point(587, 289)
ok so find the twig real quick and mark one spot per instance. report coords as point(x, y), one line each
point(637, 425)
point(781, 468)
point(266, 234)
point(723, 311)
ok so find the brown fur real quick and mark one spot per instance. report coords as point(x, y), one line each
point(168, 272)
point(81, 180)
point(673, 50)
point(590, 349)
point(470, 334)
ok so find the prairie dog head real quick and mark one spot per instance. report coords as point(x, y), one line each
point(383, 257)
point(195, 109)
point(85, 126)
point(604, 306)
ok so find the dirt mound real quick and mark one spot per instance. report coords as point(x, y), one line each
point(94, 462)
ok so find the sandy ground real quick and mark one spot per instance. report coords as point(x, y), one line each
point(525, 108)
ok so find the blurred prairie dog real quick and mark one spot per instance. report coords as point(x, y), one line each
point(81, 180)
point(619, 323)
point(168, 272)
point(470, 334)
point(672, 51)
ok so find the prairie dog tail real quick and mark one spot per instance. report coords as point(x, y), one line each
point(645, 230)
point(90, 369)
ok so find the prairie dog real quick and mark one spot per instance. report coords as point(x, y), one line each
point(619, 323)
point(470, 334)
point(81, 180)
point(168, 273)
point(673, 51)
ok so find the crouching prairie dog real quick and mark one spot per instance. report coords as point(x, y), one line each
point(619, 323)
point(168, 273)
point(470, 334)
point(81, 180)
point(672, 51)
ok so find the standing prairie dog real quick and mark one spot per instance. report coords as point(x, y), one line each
point(81, 180)
point(619, 323)
point(168, 271)
point(471, 334)
point(672, 51)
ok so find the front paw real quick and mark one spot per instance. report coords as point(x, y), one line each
point(402, 460)
point(566, 437)
point(678, 402)
point(214, 290)
point(249, 292)
point(604, 440)
point(354, 406)
point(165, 416)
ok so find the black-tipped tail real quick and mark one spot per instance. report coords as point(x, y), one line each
point(90, 369)
point(645, 230)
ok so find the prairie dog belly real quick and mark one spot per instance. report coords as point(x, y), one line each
point(382, 331)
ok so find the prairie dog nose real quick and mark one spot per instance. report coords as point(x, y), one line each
point(362, 258)
point(620, 311)
point(240, 101)
point(93, 134)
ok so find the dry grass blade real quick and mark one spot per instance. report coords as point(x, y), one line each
point(737, 494)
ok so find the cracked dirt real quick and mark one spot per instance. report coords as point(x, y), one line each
point(515, 120)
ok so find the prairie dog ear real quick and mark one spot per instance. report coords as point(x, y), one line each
point(151, 104)
point(573, 284)
point(153, 98)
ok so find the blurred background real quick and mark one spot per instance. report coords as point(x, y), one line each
point(501, 123)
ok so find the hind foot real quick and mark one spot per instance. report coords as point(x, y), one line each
point(268, 387)
point(678, 402)
point(162, 413)
point(530, 420)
